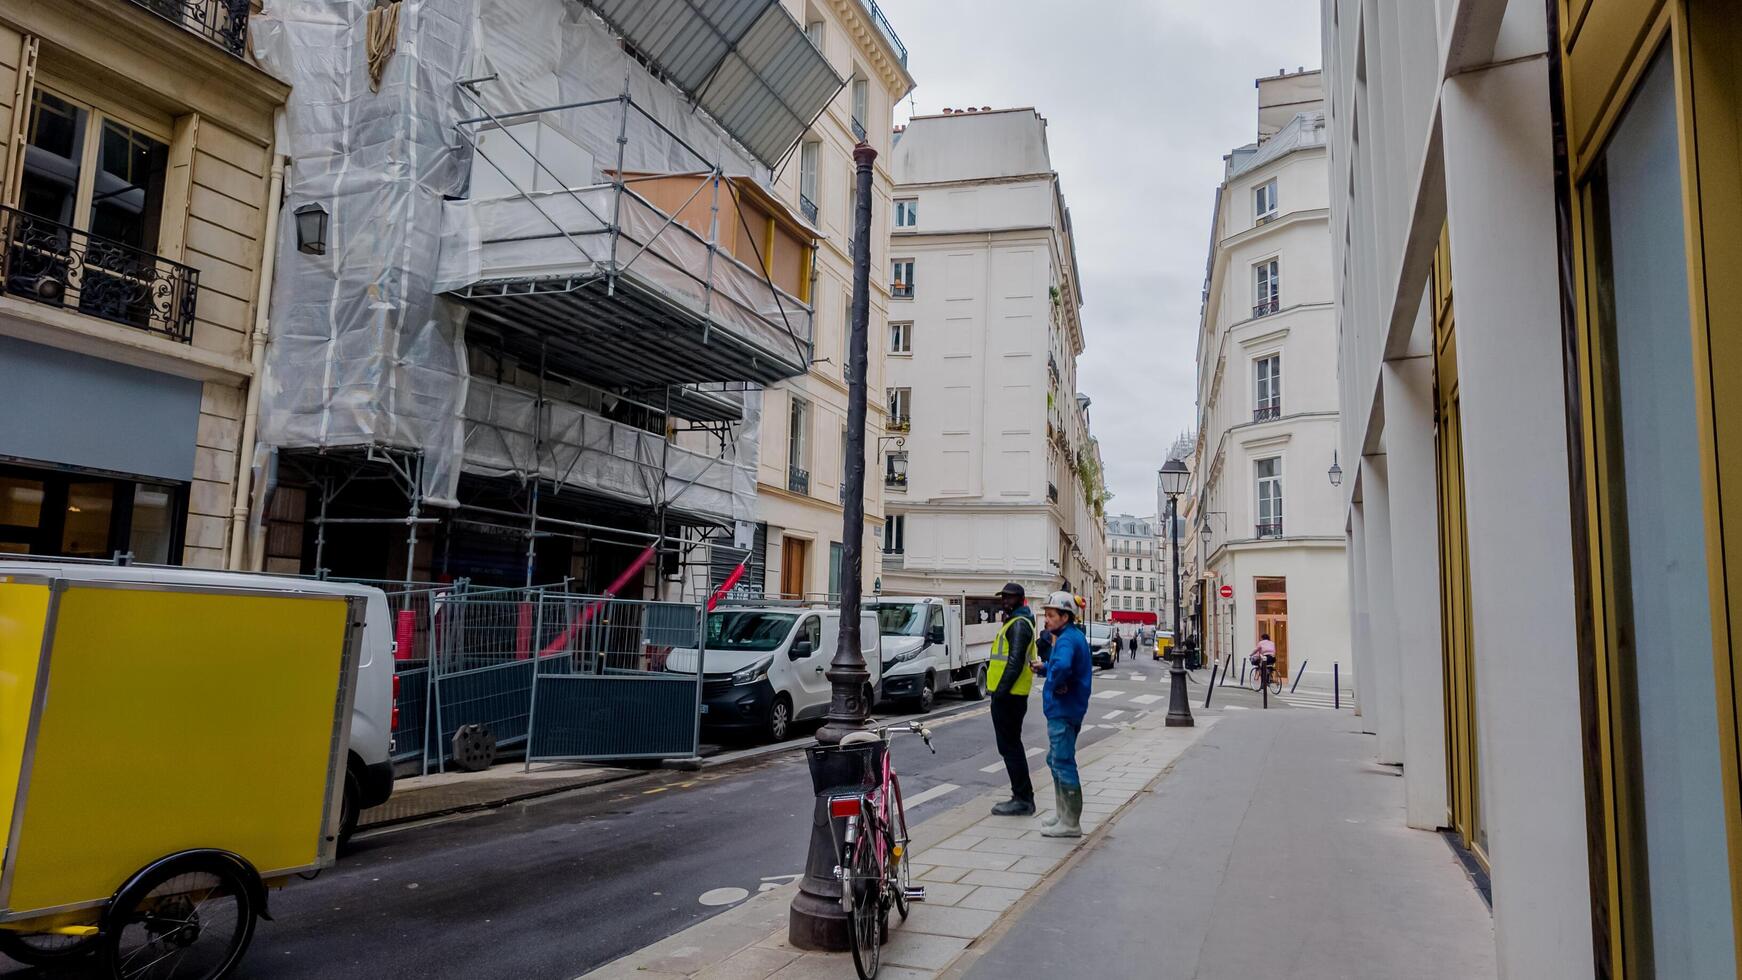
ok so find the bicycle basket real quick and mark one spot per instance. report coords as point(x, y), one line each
point(853, 766)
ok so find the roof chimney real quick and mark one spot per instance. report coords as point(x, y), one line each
point(972, 109)
point(985, 108)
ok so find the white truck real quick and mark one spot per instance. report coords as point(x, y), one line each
point(928, 649)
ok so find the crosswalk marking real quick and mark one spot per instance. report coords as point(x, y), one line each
point(1109, 716)
point(1108, 694)
point(1139, 677)
point(1311, 699)
point(1031, 753)
point(1146, 698)
point(994, 767)
point(930, 794)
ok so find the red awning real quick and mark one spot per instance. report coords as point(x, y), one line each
point(1130, 616)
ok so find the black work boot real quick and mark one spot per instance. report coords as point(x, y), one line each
point(1014, 807)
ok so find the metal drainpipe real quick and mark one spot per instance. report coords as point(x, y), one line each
point(257, 357)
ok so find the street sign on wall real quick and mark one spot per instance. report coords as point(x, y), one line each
point(1227, 592)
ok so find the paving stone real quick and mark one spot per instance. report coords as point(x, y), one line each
point(947, 858)
point(942, 921)
point(1041, 847)
point(962, 842)
point(943, 874)
point(991, 898)
point(753, 963)
point(943, 893)
point(1001, 879)
point(1036, 865)
point(1005, 833)
point(919, 950)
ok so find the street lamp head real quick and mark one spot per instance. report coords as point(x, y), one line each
point(1204, 531)
point(1335, 472)
point(1174, 476)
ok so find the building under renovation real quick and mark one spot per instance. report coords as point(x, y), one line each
point(530, 281)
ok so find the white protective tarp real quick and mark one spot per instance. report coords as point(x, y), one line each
point(362, 351)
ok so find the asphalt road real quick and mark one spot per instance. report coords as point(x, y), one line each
point(551, 888)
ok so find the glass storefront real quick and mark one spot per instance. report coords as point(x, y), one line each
point(78, 515)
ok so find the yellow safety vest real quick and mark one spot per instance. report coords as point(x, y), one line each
point(1001, 655)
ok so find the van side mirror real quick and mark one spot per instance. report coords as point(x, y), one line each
point(800, 649)
point(935, 635)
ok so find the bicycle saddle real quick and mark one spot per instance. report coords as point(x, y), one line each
point(856, 738)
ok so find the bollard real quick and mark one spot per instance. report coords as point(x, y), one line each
point(1264, 689)
point(1210, 688)
point(1336, 688)
point(1297, 676)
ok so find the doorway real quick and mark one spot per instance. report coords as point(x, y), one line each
point(1271, 611)
point(794, 561)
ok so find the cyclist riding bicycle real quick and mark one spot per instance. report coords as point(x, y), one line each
point(1264, 654)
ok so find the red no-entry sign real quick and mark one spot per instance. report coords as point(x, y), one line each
point(1227, 592)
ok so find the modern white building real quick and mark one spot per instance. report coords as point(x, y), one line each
point(1268, 521)
point(800, 482)
point(992, 476)
point(1534, 231)
point(1134, 571)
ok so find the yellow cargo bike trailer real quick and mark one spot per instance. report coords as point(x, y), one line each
point(168, 753)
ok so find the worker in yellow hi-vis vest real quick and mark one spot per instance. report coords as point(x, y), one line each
point(1010, 680)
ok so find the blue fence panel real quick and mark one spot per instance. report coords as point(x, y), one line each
point(409, 737)
point(587, 716)
point(499, 697)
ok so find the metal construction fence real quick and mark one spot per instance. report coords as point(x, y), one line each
point(552, 674)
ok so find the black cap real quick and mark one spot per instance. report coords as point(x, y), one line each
point(1013, 589)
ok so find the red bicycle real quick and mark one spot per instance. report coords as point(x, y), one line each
point(871, 851)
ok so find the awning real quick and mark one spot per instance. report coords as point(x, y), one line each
point(1132, 616)
point(747, 63)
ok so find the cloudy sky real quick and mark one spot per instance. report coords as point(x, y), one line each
point(1142, 98)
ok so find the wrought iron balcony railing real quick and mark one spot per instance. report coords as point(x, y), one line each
point(798, 480)
point(895, 481)
point(882, 23)
point(1269, 529)
point(222, 22)
point(60, 265)
point(900, 423)
point(1265, 413)
point(809, 207)
point(901, 290)
point(1265, 307)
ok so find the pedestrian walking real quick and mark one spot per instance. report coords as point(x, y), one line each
point(1065, 698)
point(1011, 679)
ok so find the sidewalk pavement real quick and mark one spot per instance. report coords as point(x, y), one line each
point(419, 797)
point(975, 868)
point(1255, 844)
point(1274, 848)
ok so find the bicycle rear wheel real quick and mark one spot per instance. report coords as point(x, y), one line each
point(900, 869)
point(1276, 684)
point(865, 923)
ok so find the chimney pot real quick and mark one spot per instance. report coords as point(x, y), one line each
point(985, 108)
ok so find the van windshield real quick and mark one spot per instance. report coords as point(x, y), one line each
point(902, 619)
point(757, 632)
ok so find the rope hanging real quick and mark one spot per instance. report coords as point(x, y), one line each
point(383, 40)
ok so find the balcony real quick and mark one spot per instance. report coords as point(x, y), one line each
point(900, 423)
point(901, 290)
point(1052, 369)
point(1052, 492)
point(808, 207)
point(1267, 413)
point(59, 265)
point(888, 32)
point(222, 22)
point(798, 479)
point(1269, 529)
point(1266, 307)
point(895, 481)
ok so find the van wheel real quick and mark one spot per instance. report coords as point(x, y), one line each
point(779, 719)
point(976, 688)
point(927, 696)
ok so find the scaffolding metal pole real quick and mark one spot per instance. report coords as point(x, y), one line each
point(617, 181)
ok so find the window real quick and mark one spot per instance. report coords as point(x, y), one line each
point(844, 460)
point(807, 179)
point(834, 571)
point(798, 478)
point(1267, 295)
point(1264, 200)
point(906, 212)
point(900, 338)
point(44, 512)
point(814, 31)
point(895, 535)
point(900, 402)
point(1269, 474)
point(850, 197)
point(901, 279)
point(861, 106)
point(1268, 387)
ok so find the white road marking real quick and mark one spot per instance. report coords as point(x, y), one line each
point(1139, 677)
point(1109, 694)
point(723, 896)
point(1146, 698)
point(994, 767)
point(1109, 716)
point(1234, 707)
point(1031, 753)
point(930, 794)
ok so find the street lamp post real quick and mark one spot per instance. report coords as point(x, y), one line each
point(1173, 479)
point(816, 919)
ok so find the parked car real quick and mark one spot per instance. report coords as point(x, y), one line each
point(369, 764)
point(927, 650)
point(1101, 645)
point(764, 666)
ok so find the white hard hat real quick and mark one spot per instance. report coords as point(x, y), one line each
point(1064, 602)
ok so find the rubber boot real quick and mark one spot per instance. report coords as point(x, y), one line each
point(1070, 806)
point(1014, 807)
point(1058, 808)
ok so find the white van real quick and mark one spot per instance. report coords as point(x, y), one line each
point(369, 769)
point(927, 650)
point(766, 666)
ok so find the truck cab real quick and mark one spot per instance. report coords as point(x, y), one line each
point(928, 650)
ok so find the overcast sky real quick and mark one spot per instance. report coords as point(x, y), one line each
point(1142, 98)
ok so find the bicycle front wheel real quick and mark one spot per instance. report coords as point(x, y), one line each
point(900, 869)
point(865, 923)
point(1255, 680)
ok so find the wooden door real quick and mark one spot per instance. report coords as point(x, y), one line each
point(1271, 612)
point(794, 560)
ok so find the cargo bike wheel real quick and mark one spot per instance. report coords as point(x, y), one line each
point(189, 916)
point(45, 949)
